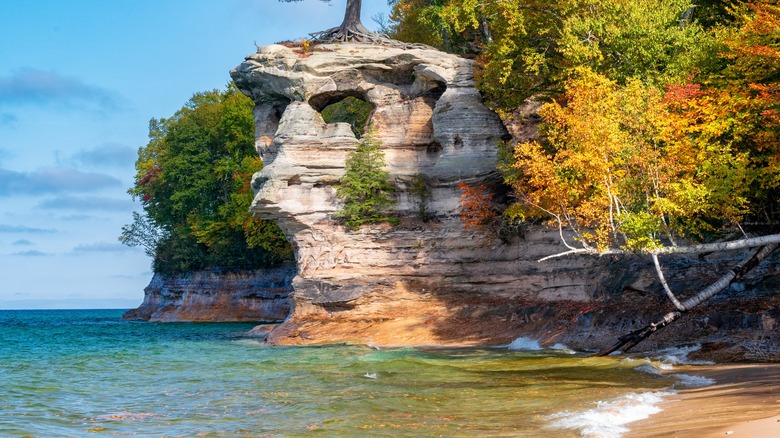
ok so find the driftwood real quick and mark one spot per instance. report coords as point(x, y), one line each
point(625, 343)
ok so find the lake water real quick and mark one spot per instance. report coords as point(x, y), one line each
point(87, 373)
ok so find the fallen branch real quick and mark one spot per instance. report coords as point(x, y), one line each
point(668, 290)
point(630, 340)
point(731, 245)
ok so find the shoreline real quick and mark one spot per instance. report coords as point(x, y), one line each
point(744, 401)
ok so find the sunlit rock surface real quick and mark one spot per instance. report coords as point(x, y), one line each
point(217, 297)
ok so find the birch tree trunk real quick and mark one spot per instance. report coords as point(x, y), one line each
point(630, 340)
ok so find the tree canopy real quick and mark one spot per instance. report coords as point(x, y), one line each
point(193, 178)
point(661, 117)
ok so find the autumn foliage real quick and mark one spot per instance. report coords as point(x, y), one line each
point(661, 122)
point(477, 209)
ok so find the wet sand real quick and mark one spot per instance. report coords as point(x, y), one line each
point(744, 402)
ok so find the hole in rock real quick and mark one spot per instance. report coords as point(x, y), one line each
point(436, 90)
point(434, 148)
point(294, 181)
point(458, 142)
point(342, 107)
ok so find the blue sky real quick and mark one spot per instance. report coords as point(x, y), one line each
point(79, 81)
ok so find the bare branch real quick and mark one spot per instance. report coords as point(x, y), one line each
point(668, 290)
point(732, 245)
point(738, 271)
point(568, 253)
point(752, 242)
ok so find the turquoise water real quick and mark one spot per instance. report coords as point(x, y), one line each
point(87, 373)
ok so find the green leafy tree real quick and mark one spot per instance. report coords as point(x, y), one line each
point(193, 180)
point(529, 48)
point(422, 21)
point(349, 110)
point(364, 187)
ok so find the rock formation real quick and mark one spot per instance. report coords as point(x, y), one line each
point(434, 282)
point(217, 297)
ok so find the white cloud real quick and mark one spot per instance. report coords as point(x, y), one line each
point(87, 203)
point(29, 86)
point(46, 180)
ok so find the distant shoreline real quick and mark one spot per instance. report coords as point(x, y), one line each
point(744, 402)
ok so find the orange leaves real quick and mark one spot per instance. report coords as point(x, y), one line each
point(477, 210)
point(755, 46)
point(619, 167)
point(681, 94)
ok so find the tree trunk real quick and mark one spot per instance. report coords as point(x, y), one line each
point(351, 28)
point(352, 15)
point(632, 339)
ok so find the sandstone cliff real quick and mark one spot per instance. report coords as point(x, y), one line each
point(217, 297)
point(435, 282)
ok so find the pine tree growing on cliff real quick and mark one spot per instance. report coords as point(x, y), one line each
point(364, 188)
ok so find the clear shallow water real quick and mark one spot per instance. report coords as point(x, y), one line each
point(76, 373)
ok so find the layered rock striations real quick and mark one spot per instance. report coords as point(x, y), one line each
point(434, 281)
point(217, 297)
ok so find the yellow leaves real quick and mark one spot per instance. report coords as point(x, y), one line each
point(463, 14)
point(616, 169)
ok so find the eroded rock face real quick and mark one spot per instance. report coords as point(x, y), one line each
point(217, 297)
point(429, 282)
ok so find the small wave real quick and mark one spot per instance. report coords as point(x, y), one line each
point(525, 344)
point(609, 418)
point(126, 416)
point(679, 356)
point(688, 381)
point(564, 348)
point(649, 368)
point(528, 344)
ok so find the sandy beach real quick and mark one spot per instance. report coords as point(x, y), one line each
point(743, 402)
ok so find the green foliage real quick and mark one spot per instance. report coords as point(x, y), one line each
point(422, 21)
point(193, 178)
point(349, 110)
point(364, 187)
point(142, 232)
point(422, 192)
point(645, 39)
point(662, 118)
point(529, 48)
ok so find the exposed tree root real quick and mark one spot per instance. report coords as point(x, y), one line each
point(359, 34)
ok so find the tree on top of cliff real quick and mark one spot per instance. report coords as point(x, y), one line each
point(351, 29)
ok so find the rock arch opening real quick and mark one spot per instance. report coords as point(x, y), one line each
point(344, 107)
